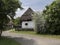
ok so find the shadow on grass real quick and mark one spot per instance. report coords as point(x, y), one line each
point(7, 41)
point(24, 41)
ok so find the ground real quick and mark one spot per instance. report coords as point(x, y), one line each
point(8, 41)
point(26, 39)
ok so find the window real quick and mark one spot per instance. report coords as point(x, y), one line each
point(26, 24)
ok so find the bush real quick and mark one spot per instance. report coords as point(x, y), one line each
point(52, 17)
point(39, 23)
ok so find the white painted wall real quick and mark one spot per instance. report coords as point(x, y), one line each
point(30, 25)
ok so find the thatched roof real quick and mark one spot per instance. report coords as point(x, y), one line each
point(27, 16)
point(10, 23)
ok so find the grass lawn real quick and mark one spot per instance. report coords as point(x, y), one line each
point(7, 41)
point(34, 34)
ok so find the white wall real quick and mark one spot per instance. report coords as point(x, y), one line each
point(30, 25)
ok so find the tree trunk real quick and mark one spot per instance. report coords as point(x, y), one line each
point(0, 32)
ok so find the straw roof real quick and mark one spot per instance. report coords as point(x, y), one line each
point(27, 16)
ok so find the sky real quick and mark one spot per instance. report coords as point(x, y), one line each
point(35, 5)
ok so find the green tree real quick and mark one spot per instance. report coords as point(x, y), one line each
point(38, 18)
point(17, 21)
point(7, 7)
point(52, 16)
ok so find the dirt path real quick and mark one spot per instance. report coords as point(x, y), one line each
point(31, 40)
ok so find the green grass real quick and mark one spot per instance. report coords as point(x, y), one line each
point(7, 41)
point(24, 32)
point(34, 34)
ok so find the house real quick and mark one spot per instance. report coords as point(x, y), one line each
point(26, 19)
point(8, 26)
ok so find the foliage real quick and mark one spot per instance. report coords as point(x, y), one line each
point(16, 21)
point(7, 7)
point(52, 16)
point(39, 22)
